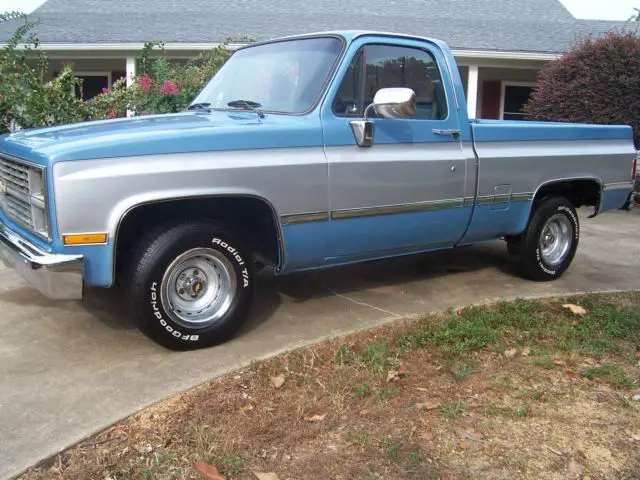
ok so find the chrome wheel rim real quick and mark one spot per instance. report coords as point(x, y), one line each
point(556, 239)
point(198, 288)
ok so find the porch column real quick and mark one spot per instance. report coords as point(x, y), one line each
point(472, 91)
point(131, 73)
point(131, 70)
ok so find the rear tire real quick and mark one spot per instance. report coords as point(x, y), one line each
point(189, 286)
point(545, 250)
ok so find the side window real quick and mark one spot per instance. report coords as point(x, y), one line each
point(386, 66)
point(348, 100)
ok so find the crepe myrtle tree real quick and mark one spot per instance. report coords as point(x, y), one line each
point(26, 99)
point(596, 81)
point(162, 85)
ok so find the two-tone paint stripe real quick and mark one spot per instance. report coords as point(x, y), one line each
point(433, 205)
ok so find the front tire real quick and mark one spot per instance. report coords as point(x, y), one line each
point(547, 247)
point(190, 286)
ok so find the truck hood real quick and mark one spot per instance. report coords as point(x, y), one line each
point(158, 134)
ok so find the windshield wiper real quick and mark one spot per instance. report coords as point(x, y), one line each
point(247, 105)
point(199, 106)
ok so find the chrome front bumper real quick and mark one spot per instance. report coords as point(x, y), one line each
point(55, 276)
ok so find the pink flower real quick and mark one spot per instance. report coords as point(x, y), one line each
point(111, 115)
point(105, 91)
point(145, 83)
point(169, 88)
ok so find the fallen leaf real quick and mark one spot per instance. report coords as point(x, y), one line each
point(315, 418)
point(277, 381)
point(526, 351)
point(576, 309)
point(266, 476)
point(427, 406)
point(393, 375)
point(510, 353)
point(423, 389)
point(363, 412)
point(636, 437)
point(247, 408)
point(558, 362)
point(210, 472)
point(469, 436)
point(463, 444)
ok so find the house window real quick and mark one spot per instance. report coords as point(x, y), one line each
point(381, 66)
point(92, 84)
point(514, 97)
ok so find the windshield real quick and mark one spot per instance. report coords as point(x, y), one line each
point(284, 77)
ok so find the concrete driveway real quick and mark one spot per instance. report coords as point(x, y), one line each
point(68, 369)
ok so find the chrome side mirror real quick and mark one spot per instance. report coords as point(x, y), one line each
point(395, 103)
point(388, 103)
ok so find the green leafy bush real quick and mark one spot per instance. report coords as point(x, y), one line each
point(597, 81)
point(26, 99)
point(162, 85)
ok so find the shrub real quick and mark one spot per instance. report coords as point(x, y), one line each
point(597, 81)
point(26, 99)
point(161, 86)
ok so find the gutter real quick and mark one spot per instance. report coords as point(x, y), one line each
point(181, 47)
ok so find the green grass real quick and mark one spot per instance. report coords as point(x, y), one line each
point(605, 329)
point(391, 448)
point(232, 465)
point(385, 393)
point(360, 391)
point(374, 356)
point(507, 412)
point(544, 363)
point(462, 371)
point(452, 411)
point(344, 355)
point(614, 374)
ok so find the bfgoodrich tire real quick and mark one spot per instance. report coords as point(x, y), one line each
point(190, 286)
point(546, 248)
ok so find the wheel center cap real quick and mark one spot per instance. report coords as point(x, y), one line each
point(191, 285)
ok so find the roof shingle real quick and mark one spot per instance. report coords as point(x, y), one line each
point(502, 25)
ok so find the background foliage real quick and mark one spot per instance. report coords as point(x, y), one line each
point(597, 81)
point(25, 97)
point(161, 86)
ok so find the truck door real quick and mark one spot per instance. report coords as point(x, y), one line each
point(406, 192)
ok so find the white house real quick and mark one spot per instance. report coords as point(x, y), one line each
point(500, 45)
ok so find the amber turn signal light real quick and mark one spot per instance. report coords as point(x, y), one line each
point(85, 238)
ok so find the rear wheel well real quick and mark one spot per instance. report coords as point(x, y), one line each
point(251, 219)
point(579, 192)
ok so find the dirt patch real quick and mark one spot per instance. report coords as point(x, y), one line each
point(517, 390)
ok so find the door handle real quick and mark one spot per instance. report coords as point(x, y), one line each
point(455, 133)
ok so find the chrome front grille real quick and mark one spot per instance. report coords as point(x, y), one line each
point(22, 195)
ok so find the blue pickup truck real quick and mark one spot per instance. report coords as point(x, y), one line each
point(300, 153)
